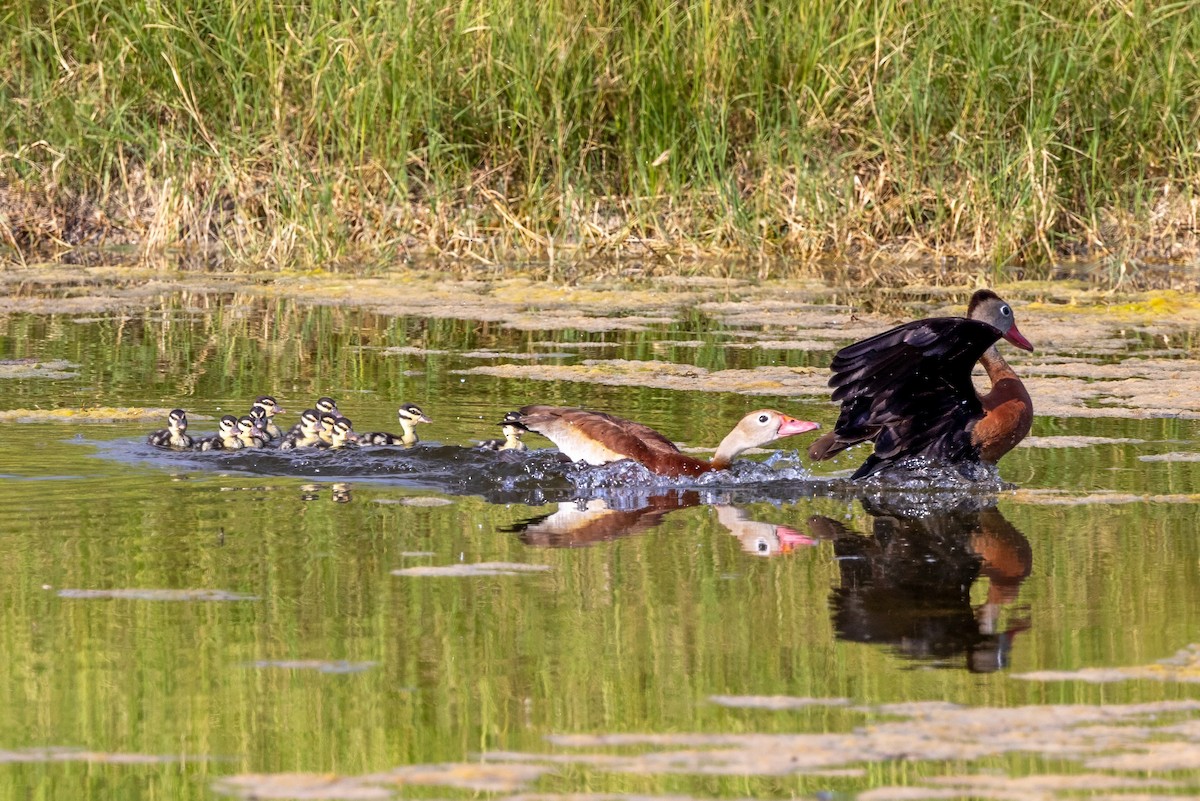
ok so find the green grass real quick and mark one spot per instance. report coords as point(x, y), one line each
point(1004, 131)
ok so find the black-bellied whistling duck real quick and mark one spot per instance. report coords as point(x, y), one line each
point(909, 390)
point(409, 414)
point(175, 434)
point(598, 438)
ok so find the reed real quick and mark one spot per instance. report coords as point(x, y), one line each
point(336, 130)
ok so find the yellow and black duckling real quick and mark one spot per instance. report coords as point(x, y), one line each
point(342, 434)
point(249, 433)
point(511, 442)
point(262, 424)
point(327, 421)
point(309, 435)
point(267, 407)
point(323, 406)
point(409, 414)
point(175, 435)
point(227, 437)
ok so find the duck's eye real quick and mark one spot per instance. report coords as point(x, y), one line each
point(762, 546)
point(762, 418)
point(1004, 310)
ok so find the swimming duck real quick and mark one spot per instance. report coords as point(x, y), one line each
point(267, 407)
point(227, 437)
point(175, 434)
point(323, 406)
point(598, 438)
point(511, 442)
point(409, 414)
point(909, 390)
point(248, 433)
point(309, 435)
point(262, 424)
point(342, 434)
point(327, 421)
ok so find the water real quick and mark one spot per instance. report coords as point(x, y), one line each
point(438, 621)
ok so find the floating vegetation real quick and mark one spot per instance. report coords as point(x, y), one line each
point(1184, 667)
point(84, 415)
point(1077, 442)
point(29, 755)
point(775, 702)
point(1174, 456)
point(476, 569)
point(1051, 497)
point(481, 777)
point(318, 665)
point(32, 368)
point(157, 595)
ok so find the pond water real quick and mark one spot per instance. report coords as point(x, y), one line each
point(439, 622)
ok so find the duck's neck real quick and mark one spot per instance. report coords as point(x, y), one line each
point(995, 365)
point(410, 432)
point(729, 449)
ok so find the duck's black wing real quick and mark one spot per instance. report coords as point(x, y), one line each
point(910, 390)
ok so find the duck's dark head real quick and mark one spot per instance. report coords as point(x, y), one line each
point(988, 307)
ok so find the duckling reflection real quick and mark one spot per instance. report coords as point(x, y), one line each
point(907, 585)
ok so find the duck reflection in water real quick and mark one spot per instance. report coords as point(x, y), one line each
point(908, 584)
point(587, 522)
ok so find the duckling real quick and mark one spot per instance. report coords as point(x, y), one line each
point(511, 442)
point(323, 406)
point(262, 424)
point(175, 435)
point(309, 435)
point(268, 407)
point(409, 414)
point(226, 439)
point(327, 422)
point(342, 434)
point(248, 433)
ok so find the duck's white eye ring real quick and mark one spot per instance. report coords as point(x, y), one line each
point(762, 418)
point(1005, 311)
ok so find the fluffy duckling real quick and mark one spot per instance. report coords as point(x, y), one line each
point(226, 439)
point(409, 414)
point(323, 406)
point(175, 435)
point(511, 442)
point(309, 435)
point(342, 434)
point(266, 407)
point(327, 421)
point(248, 433)
point(262, 424)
